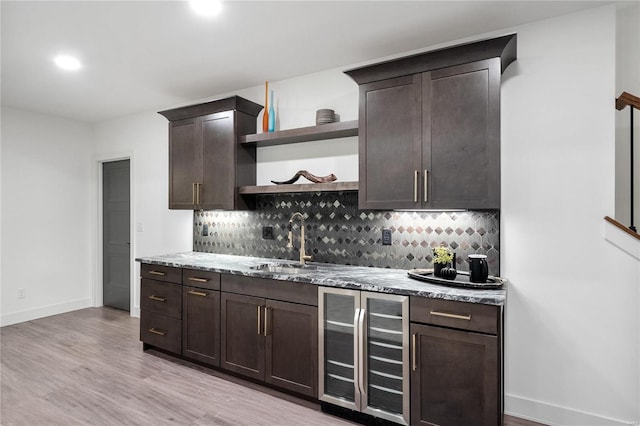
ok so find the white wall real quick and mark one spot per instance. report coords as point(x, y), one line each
point(627, 80)
point(572, 314)
point(156, 230)
point(45, 215)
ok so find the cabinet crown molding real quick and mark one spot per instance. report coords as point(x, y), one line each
point(501, 47)
point(227, 104)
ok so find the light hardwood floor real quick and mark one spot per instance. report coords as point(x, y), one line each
point(88, 368)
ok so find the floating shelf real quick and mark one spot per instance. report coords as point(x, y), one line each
point(303, 134)
point(298, 187)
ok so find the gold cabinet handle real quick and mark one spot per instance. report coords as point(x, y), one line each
point(426, 185)
point(162, 274)
point(193, 193)
point(415, 185)
point(198, 192)
point(413, 338)
point(259, 308)
point(198, 293)
point(198, 280)
point(158, 332)
point(266, 317)
point(157, 298)
point(454, 316)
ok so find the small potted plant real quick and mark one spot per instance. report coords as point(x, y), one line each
point(442, 257)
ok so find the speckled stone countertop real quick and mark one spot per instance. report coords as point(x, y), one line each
point(394, 281)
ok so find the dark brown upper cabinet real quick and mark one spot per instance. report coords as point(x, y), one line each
point(206, 161)
point(429, 132)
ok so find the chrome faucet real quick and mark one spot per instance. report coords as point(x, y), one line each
point(303, 257)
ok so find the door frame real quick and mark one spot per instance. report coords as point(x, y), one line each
point(98, 223)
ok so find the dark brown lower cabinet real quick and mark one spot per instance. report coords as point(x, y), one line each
point(242, 342)
point(201, 325)
point(292, 346)
point(454, 378)
point(271, 341)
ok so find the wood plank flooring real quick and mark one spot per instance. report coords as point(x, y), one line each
point(88, 368)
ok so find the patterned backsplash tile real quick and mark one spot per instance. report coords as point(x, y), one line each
point(337, 232)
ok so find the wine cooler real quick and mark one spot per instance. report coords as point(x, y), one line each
point(364, 356)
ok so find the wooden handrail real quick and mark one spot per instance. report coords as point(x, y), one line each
point(627, 99)
point(622, 227)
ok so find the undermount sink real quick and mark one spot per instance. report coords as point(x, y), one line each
point(284, 268)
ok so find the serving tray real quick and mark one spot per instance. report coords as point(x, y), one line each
point(461, 280)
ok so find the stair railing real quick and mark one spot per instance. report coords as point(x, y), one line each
point(624, 100)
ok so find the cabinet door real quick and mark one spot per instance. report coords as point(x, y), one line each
point(242, 340)
point(291, 332)
point(461, 133)
point(454, 378)
point(390, 138)
point(201, 325)
point(185, 162)
point(219, 157)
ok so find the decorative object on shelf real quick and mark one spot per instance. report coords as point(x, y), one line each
point(478, 268)
point(325, 116)
point(265, 116)
point(272, 116)
point(442, 256)
point(309, 176)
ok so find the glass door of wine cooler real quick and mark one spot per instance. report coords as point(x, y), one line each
point(338, 338)
point(384, 354)
point(364, 357)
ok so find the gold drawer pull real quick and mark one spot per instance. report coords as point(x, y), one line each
point(454, 316)
point(198, 280)
point(198, 293)
point(157, 298)
point(162, 274)
point(158, 332)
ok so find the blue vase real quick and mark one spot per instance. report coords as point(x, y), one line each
point(272, 116)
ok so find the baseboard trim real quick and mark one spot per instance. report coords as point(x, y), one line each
point(555, 415)
point(44, 311)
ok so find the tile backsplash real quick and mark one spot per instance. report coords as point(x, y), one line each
point(337, 232)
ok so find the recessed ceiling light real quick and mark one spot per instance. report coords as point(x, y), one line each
point(206, 7)
point(68, 63)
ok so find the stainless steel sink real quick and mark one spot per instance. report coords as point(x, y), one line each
point(284, 268)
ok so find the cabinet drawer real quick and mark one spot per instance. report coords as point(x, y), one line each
point(161, 331)
point(201, 279)
point(461, 315)
point(161, 298)
point(286, 291)
point(161, 273)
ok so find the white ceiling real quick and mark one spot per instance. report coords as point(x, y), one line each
point(150, 55)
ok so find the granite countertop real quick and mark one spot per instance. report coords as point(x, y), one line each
point(382, 280)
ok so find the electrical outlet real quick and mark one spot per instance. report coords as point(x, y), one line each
point(205, 230)
point(21, 293)
point(386, 237)
point(267, 233)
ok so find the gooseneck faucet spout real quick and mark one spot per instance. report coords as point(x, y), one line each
point(303, 257)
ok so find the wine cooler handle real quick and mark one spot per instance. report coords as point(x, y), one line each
point(356, 358)
point(361, 353)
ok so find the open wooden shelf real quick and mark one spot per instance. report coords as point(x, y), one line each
point(303, 134)
point(298, 187)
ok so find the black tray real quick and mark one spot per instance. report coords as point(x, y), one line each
point(461, 280)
